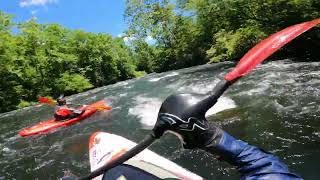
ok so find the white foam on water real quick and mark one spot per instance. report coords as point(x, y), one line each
point(5, 149)
point(9, 152)
point(197, 88)
point(123, 94)
point(168, 75)
point(121, 83)
point(13, 138)
point(44, 164)
point(256, 91)
point(93, 97)
point(146, 109)
point(316, 133)
point(128, 86)
point(223, 103)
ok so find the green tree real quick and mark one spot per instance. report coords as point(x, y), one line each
point(191, 32)
point(177, 40)
point(10, 89)
point(72, 83)
point(48, 59)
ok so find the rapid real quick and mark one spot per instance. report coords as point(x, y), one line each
point(275, 107)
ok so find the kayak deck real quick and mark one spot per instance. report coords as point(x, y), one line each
point(106, 147)
point(51, 124)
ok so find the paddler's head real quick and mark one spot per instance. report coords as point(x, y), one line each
point(61, 100)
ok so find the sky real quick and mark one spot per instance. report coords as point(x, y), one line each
point(98, 16)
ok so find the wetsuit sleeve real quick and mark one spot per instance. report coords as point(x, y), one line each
point(252, 162)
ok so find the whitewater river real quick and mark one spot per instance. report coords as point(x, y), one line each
point(275, 107)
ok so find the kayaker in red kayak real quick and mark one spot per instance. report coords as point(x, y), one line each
point(63, 112)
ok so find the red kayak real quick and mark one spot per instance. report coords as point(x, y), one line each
point(51, 124)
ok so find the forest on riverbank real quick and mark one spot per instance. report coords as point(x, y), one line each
point(48, 59)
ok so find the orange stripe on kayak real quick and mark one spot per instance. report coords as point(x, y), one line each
point(92, 139)
point(118, 154)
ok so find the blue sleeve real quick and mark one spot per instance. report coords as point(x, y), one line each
point(252, 162)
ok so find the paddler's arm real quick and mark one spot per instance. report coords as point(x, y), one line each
point(181, 116)
point(252, 162)
point(75, 107)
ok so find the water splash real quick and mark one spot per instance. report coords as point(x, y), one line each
point(146, 109)
point(164, 76)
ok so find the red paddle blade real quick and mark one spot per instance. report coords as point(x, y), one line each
point(47, 100)
point(267, 47)
point(103, 107)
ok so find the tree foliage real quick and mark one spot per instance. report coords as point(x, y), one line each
point(48, 59)
point(191, 32)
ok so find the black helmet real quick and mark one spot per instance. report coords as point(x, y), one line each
point(61, 100)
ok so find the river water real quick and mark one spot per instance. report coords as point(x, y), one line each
point(276, 107)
